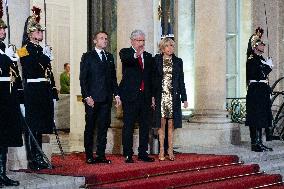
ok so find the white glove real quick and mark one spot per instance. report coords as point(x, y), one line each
point(9, 51)
point(268, 62)
point(54, 103)
point(47, 50)
point(22, 107)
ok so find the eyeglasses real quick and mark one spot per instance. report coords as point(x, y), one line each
point(139, 40)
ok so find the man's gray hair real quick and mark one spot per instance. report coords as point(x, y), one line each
point(136, 33)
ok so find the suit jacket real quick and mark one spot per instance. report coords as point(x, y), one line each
point(97, 78)
point(132, 75)
point(178, 90)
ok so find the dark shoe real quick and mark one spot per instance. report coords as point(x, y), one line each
point(33, 166)
point(128, 159)
point(90, 160)
point(8, 182)
point(256, 148)
point(42, 164)
point(266, 148)
point(102, 160)
point(146, 159)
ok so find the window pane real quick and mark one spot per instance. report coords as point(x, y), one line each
point(231, 86)
point(231, 16)
point(231, 55)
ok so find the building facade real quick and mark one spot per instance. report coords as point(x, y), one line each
point(211, 38)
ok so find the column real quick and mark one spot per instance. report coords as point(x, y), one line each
point(210, 126)
point(78, 46)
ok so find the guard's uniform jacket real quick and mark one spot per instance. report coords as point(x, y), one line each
point(39, 88)
point(11, 95)
point(258, 105)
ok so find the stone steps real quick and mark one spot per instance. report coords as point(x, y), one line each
point(42, 181)
point(270, 162)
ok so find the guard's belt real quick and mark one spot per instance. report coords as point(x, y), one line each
point(36, 80)
point(260, 81)
point(5, 79)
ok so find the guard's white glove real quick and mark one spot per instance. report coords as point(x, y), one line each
point(268, 62)
point(9, 51)
point(23, 110)
point(54, 103)
point(47, 50)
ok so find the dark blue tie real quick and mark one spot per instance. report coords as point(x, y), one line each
point(103, 56)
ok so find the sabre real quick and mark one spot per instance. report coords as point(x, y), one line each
point(45, 34)
point(266, 29)
point(8, 21)
point(35, 142)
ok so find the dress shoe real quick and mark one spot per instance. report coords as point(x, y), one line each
point(128, 159)
point(42, 164)
point(102, 160)
point(146, 159)
point(260, 148)
point(8, 182)
point(266, 148)
point(90, 160)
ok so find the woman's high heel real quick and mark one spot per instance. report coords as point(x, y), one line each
point(162, 156)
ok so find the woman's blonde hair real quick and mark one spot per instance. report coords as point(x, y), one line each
point(164, 42)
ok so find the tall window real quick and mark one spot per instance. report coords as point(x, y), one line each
point(167, 16)
point(233, 46)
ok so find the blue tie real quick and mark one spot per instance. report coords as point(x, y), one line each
point(103, 56)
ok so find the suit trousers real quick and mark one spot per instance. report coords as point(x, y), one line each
point(98, 117)
point(133, 111)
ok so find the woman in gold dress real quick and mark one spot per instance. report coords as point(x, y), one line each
point(169, 91)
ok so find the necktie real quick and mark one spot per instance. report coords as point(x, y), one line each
point(141, 66)
point(103, 56)
point(140, 62)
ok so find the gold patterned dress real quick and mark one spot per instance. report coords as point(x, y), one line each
point(167, 101)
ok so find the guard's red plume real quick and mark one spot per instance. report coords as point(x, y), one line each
point(1, 8)
point(36, 12)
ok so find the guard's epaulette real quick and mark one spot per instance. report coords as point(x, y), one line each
point(250, 57)
point(22, 52)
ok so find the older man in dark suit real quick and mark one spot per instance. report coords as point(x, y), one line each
point(98, 85)
point(135, 92)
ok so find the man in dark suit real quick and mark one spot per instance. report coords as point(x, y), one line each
point(135, 93)
point(98, 85)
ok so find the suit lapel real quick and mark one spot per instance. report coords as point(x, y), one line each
point(97, 57)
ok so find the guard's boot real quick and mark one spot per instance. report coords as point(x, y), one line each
point(259, 135)
point(3, 177)
point(254, 146)
point(32, 164)
point(269, 134)
point(38, 154)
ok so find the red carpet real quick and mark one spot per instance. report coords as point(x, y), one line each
point(187, 171)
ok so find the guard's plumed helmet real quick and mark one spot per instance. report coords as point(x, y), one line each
point(2, 23)
point(33, 21)
point(256, 38)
